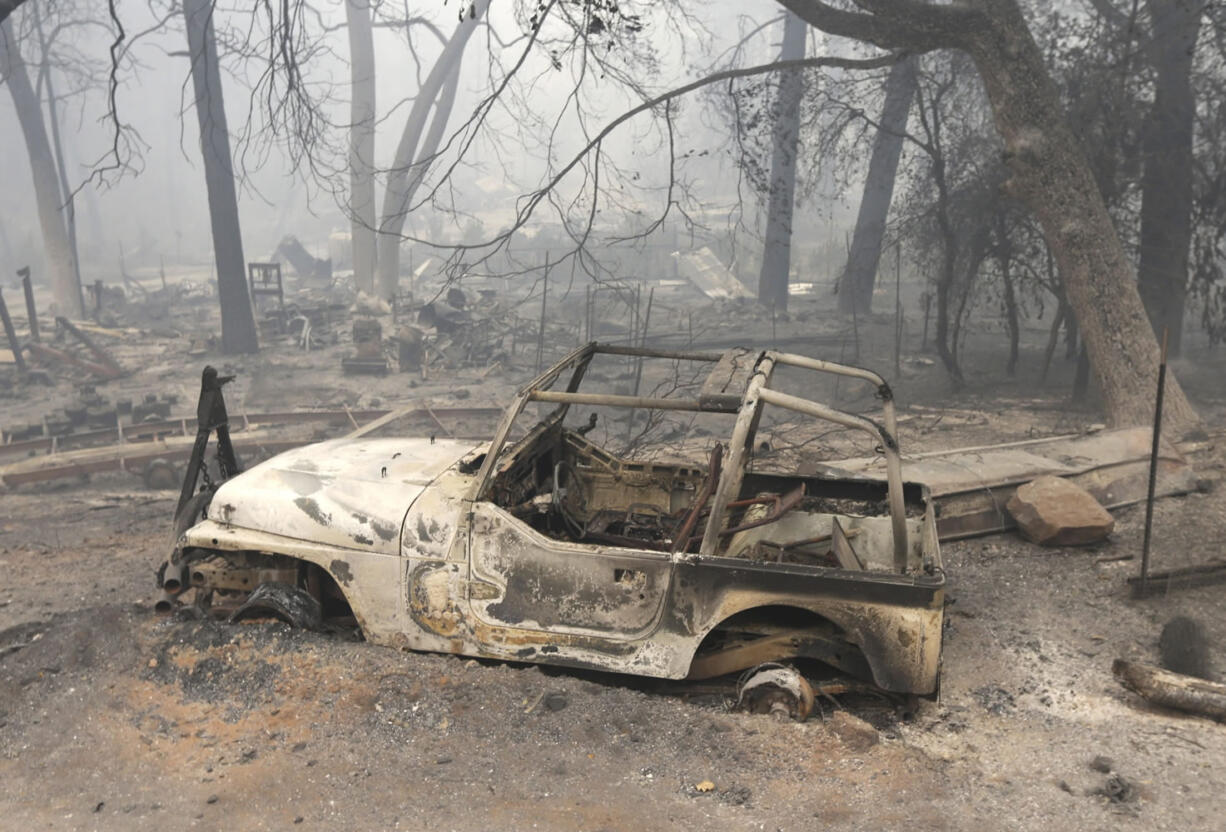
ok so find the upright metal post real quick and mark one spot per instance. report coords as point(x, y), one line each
point(540, 337)
point(1153, 468)
point(11, 335)
point(31, 309)
point(638, 367)
point(897, 310)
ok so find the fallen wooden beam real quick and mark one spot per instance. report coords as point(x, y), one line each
point(100, 370)
point(136, 456)
point(185, 425)
point(1172, 690)
point(104, 358)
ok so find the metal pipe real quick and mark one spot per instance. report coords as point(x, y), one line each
point(883, 389)
point(174, 579)
point(601, 399)
point(164, 604)
point(651, 352)
point(1153, 468)
point(734, 471)
point(893, 462)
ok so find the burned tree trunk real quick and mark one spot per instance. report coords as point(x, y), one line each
point(409, 167)
point(238, 333)
point(53, 118)
point(1004, 258)
point(1050, 175)
point(57, 247)
point(777, 255)
point(1166, 180)
point(856, 287)
point(362, 142)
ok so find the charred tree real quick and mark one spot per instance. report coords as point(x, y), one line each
point(1004, 257)
point(856, 287)
point(1049, 174)
point(57, 247)
point(362, 207)
point(53, 118)
point(1166, 179)
point(414, 154)
point(238, 333)
point(785, 140)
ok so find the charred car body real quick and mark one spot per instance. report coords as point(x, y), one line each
point(551, 549)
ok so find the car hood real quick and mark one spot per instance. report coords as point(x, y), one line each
point(351, 493)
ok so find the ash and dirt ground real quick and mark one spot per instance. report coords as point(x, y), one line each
point(113, 718)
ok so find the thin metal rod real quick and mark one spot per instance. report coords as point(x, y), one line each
point(540, 337)
point(1153, 467)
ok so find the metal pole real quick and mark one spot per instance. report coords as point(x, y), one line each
point(638, 366)
point(897, 310)
point(18, 359)
point(587, 314)
point(540, 336)
point(31, 309)
point(1153, 467)
point(855, 331)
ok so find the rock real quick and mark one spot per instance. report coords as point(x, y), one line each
point(853, 732)
point(1052, 511)
point(555, 701)
point(1102, 764)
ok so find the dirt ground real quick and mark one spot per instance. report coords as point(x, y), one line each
point(114, 718)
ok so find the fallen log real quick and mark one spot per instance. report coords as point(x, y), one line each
point(1172, 690)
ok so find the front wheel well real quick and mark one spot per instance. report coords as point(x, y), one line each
point(237, 574)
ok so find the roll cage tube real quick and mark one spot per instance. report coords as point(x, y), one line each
point(579, 358)
point(888, 436)
point(757, 392)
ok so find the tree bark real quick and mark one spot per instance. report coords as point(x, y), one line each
point(53, 118)
point(362, 142)
point(409, 167)
point(777, 254)
point(1166, 179)
point(238, 333)
point(57, 248)
point(856, 287)
point(1049, 175)
point(1004, 257)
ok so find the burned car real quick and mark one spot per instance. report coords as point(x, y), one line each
point(543, 546)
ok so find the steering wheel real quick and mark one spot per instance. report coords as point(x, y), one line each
point(574, 491)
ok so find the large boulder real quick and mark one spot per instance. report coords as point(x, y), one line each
point(1055, 512)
